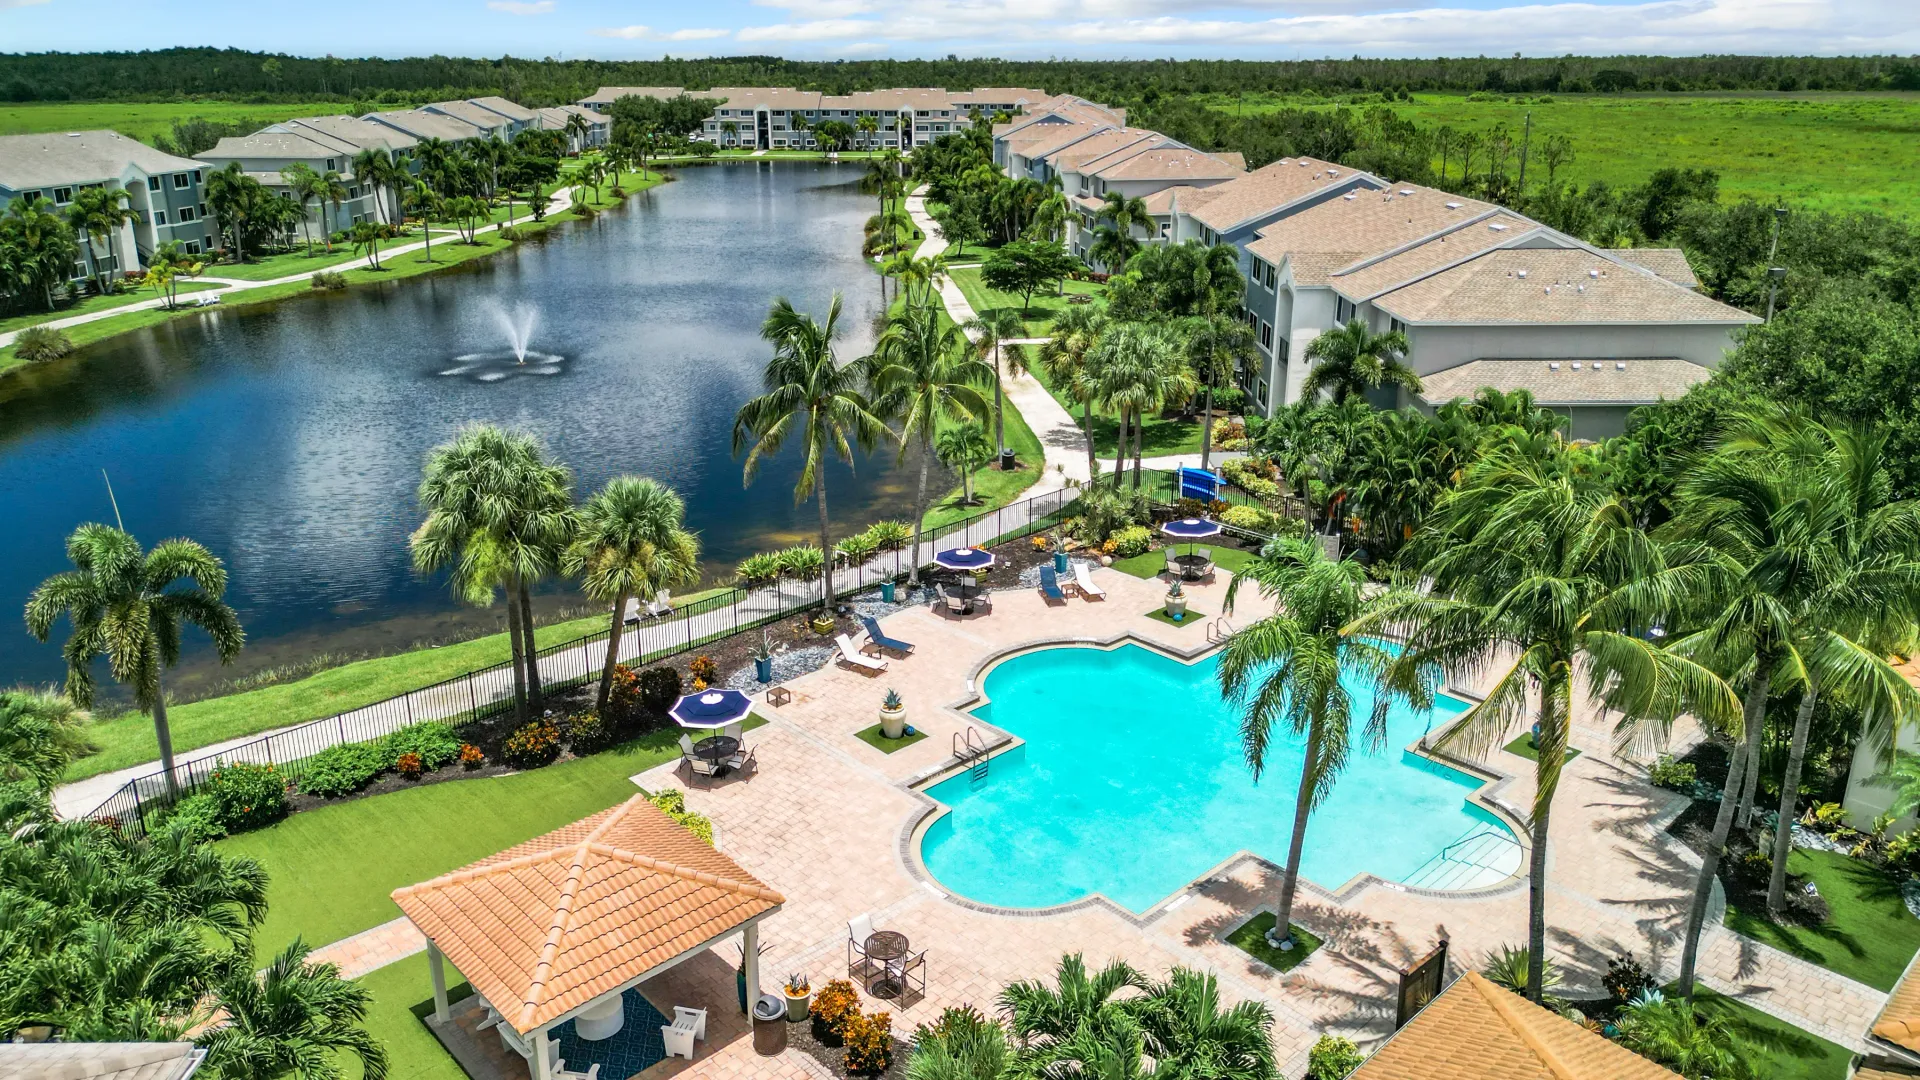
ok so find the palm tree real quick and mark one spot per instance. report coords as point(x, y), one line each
point(1115, 242)
point(866, 125)
point(1064, 359)
point(921, 370)
point(168, 263)
point(97, 213)
point(1353, 359)
point(295, 1019)
point(961, 1045)
point(374, 168)
point(1042, 1017)
point(428, 202)
point(807, 386)
point(964, 447)
point(632, 541)
point(328, 189)
point(1534, 571)
point(731, 130)
point(1674, 1034)
point(40, 732)
point(1189, 1037)
point(1217, 348)
point(500, 515)
point(577, 130)
point(994, 333)
point(128, 606)
point(366, 237)
point(927, 273)
point(1137, 369)
point(1294, 668)
point(300, 180)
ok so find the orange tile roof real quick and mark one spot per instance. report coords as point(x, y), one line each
point(1477, 1031)
point(545, 927)
point(1899, 1021)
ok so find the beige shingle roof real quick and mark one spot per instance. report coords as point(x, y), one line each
point(1669, 263)
point(81, 157)
point(1634, 381)
point(1364, 278)
point(1552, 285)
point(1477, 1031)
point(1270, 188)
point(268, 144)
point(1369, 223)
point(99, 1061)
point(615, 93)
point(510, 109)
point(1185, 197)
point(547, 926)
point(478, 116)
point(353, 130)
point(1106, 145)
point(1169, 163)
point(426, 125)
point(1055, 137)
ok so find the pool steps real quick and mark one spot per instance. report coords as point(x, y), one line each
point(1484, 855)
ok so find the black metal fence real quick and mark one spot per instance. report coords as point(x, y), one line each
point(488, 691)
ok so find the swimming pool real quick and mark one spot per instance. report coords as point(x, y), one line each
point(1132, 783)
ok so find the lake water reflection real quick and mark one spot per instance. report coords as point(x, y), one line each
point(289, 438)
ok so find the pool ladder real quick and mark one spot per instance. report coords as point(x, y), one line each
point(1219, 629)
point(971, 751)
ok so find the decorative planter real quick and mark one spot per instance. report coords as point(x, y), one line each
point(1106, 560)
point(1059, 562)
point(797, 1006)
point(1176, 605)
point(763, 668)
point(823, 625)
point(893, 722)
point(886, 592)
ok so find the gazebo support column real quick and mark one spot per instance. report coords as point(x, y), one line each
point(437, 964)
point(750, 952)
point(542, 1056)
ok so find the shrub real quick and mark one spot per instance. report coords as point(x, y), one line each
point(1253, 518)
point(673, 803)
point(1229, 399)
point(433, 743)
point(246, 796)
point(196, 819)
point(532, 746)
point(1132, 540)
point(1251, 476)
point(471, 756)
point(859, 548)
point(512, 232)
point(1676, 775)
point(588, 732)
point(833, 1006)
point(704, 669)
point(409, 765)
point(623, 695)
point(672, 800)
point(659, 689)
point(1903, 853)
point(888, 535)
point(42, 343)
point(329, 280)
point(757, 569)
point(342, 770)
point(1333, 1058)
point(1626, 979)
point(869, 1042)
point(801, 561)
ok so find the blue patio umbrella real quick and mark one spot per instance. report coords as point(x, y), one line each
point(1191, 529)
point(710, 709)
point(964, 559)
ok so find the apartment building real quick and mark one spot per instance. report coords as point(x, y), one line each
point(782, 118)
point(557, 118)
point(423, 124)
point(264, 154)
point(1486, 297)
point(163, 191)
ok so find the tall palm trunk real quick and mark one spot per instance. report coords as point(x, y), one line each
point(613, 652)
point(1749, 787)
point(1552, 747)
point(1086, 432)
point(1206, 429)
point(1139, 446)
point(1282, 932)
point(1789, 788)
point(532, 645)
point(162, 734)
point(999, 416)
point(1120, 455)
point(518, 649)
point(920, 507)
point(1753, 713)
point(826, 557)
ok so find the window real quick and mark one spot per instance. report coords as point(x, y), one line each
point(1343, 311)
point(183, 211)
point(153, 183)
point(1266, 334)
point(159, 217)
point(180, 180)
point(1166, 229)
point(1273, 277)
point(331, 164)
point(186, 214)
point(196, 176)
point(193, 247)
point(1395, 326)
point(62, 196)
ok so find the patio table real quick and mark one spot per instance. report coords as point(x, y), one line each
point(1191, 566)
point(717, 749)
point(885, 945)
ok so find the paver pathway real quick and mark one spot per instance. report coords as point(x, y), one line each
point(372, 949)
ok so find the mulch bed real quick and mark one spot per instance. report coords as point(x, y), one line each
point(1694, 826)
point(800, 1037)
point(1746, 888)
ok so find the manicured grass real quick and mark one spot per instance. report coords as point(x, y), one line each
point(872, 737)
point(1780, 1050)
point(331, 869)
point(1153, 563)
point(288, 263)
point(993, 488)
point(1869, 935)
point(1524, 748)
point(1826, 151)
point(1251, 939)
point(89, 305)
point(1194, 618)
point(144, 120)
point(402, 999)
point(1163, 435)
point(1040, 315)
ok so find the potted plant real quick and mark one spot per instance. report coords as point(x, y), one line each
point(1176, 606)
point(763, 658)
point(822, 624)
point(893, 716)
point(798, 992)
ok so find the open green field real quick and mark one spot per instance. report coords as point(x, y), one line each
point(1038, 316)
point(1825, 151)
point(144, 119)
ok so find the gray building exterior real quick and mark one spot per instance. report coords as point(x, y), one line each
point(163, 191)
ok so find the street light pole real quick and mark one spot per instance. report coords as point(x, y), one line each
point(1774, 274)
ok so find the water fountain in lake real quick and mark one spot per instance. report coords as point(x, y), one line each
point(517, 359)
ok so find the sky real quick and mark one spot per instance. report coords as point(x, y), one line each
point(1025, 29)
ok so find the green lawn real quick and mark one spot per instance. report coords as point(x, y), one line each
point(1251, 938)
point(287, 263)
point(1523, 747)
point(1193, 618)
point(993, 488)
point(872, 737)
point(1870, 935)
point(1038, 317)
point(1163, 435)
point(1780, 1050)
point(331, 869)
point(1154, 563)
point(145, 119)
point(1827, 151)
point(402, 999)
point(90, 304)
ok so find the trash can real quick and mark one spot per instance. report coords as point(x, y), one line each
point(769, 1025)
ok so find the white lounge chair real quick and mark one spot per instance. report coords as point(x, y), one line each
point(661, 605)
point(631, 613)
point(689, 1026)
point(1083, 577)
point(853, 657)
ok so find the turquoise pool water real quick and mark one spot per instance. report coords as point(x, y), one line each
point(1132, 783)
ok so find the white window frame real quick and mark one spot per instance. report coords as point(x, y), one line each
point(180, 181)
point(159, 217)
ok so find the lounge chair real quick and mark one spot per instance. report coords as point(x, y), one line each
point(661, 605)
point(853, 658)
point(1050, 585)
point(1083, 577)
point(878, 639)
point(697, 765)
point(631, 613)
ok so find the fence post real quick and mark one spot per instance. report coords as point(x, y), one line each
point(473, 698)
point(409, 699)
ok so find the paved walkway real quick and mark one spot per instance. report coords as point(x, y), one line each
point(562, 200)
point(370, 950)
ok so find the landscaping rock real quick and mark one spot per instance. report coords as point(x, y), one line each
point(1910, 895)
point(788, 663)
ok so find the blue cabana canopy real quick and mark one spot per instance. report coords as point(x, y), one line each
point(1198, 484)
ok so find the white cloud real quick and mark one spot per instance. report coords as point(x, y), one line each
point(648, 33)
point(815, 30)
point(522, 7)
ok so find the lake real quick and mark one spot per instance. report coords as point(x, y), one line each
point(289, 437)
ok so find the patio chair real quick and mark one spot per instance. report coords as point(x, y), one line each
point(1206, 560)
point(561, 1072)
point(1050, 585)
point(661, 605)
point(1083, 577)
point(904, 971)
point(697, 765)
point(878, 639)
point(859, 929)
point(1173, 562)
point(631, 613)
point(689, 1026)
point(852, 657)
point(954, 604)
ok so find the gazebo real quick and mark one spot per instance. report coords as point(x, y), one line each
point(553, 933)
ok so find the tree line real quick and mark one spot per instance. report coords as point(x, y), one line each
point(166, 74)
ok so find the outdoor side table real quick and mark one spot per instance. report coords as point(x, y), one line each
point(779, 695)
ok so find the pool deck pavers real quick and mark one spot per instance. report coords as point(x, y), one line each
point(828, 820)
